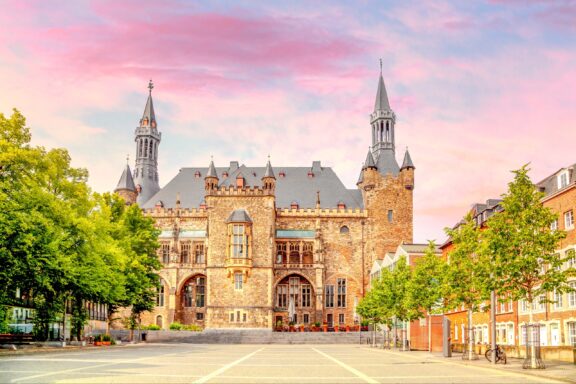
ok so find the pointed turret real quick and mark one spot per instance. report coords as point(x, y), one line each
point(147, 142)
point(211, 170)
point(269, 180)
point(149, 117)
point(407, 163)
point(269, 172)
point(382, 103)
point(126, 187)
point(369, 163)
point(211, 179)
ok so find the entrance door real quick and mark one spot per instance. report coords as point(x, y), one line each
point(554, 335)
point(330, 320)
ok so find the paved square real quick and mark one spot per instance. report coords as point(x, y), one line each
point(193, 363)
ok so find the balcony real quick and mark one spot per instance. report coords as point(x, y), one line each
point(241, 262)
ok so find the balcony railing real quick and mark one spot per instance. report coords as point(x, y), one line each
point(293, 265)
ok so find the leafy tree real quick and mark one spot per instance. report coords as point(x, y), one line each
point(468, 274)
point(426, 288)
point(522, 246)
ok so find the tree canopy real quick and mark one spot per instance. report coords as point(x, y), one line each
point(59, 241)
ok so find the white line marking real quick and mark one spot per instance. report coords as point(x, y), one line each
point(65, 371)
point(361, 375)
point(226, 367)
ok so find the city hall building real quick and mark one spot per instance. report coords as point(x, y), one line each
point(255, 246)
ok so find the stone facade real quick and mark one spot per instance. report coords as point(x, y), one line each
point(252, 248)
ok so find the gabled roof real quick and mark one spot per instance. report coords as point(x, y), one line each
point(417, 248)
point(382, 103)
point(298, 184)
point(126, 181)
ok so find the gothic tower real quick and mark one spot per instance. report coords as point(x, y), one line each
point(126, 188)
point(387, 189)
point(147, 139)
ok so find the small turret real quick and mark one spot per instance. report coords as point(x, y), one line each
point(211, 179)
point(407, 171)
point(126, 187)
point(269, 180)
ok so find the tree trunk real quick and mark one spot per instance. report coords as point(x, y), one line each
point(530, 337)
point(470, 354)
point(429, 332)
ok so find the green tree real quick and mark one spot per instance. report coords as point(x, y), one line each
point(468, 275)
point(522, 246)
point(426, 288)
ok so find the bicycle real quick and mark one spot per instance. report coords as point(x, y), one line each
point(500, 355)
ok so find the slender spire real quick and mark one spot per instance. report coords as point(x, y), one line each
point(369, 163)
point(269, 172)
point(407, 163)
point(382, 103)
point(126, 181)
point(149, 109)
point(211, 170)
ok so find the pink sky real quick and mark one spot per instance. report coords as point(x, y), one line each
point(479, 88)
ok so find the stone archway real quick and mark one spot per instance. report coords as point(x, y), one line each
point(296, 289)
point(191, 300)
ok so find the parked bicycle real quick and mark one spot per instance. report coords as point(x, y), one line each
point(500, 355)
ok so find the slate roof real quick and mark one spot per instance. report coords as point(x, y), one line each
point(407, 163)
point(239, 216)
point(269, 172)
point(126, 181)
point(149, 110)
point(382, 103)
point(298, 184)
point(386, 162)
point(369, 163)
point(550, 184)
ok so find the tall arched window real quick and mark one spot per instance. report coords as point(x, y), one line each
point(145, 147)
point(194, 293)
point(140, 147)
point(160, 294)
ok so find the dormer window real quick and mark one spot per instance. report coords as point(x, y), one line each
point(225, 174)
point(197, 174)
point(341, 205)
point(310, 174)
point(159, 204)
point(563, 179)
point(282, 174)
point(240, 182)
point(294, 205)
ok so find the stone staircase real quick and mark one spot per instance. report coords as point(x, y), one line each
point(257, 336)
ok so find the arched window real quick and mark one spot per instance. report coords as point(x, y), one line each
point(194, 294)
point(294, 253)
point(145, 147)
point(344, 230)
point(160, 294)
point(140, 147)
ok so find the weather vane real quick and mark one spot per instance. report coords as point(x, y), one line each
point(150, 85)
point(380, 65)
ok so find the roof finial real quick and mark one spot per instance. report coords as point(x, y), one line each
point(150, 85)
point(128, 159)
point(380, 66)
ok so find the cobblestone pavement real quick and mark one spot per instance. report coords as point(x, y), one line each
point(192, 363)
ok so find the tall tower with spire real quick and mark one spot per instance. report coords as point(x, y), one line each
point(382, 122)
point(387, 189)
point(147, 140)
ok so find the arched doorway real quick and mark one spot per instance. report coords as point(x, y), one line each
point(294, 301)
point(192, 301)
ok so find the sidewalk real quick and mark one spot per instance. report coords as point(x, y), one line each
point(33, 349)
point(557, 370)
